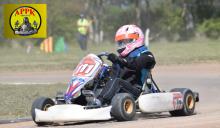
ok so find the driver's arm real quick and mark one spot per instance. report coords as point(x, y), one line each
point(146, 60)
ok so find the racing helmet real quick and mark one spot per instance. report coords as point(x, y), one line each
point(128, 38)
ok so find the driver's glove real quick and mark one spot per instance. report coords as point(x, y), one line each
point(113, 58)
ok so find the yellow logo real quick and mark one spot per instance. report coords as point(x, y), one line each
point(25, 20)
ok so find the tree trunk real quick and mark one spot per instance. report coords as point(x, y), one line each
point(138, 12)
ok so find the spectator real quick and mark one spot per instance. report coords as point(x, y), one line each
point(83, 31)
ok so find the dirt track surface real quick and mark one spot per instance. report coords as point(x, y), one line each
point(203, 78)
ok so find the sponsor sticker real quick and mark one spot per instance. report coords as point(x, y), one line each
point(25, 20)
point(177, 100)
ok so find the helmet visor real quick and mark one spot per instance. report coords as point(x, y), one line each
point(123, 43)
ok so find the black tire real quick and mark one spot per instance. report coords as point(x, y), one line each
point(123, 107)
point(188, 102)
point(41, 103)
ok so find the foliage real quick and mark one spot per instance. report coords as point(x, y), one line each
point(62, 18)
point(204, 9)
point(210, 28)
point(167, 20)
point(119, 16)
point(164, 18)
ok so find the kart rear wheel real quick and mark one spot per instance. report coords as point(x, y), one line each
point(123, 107)
point(41, 103)
point(188, 102)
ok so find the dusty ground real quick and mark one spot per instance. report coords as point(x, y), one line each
point(203, 78)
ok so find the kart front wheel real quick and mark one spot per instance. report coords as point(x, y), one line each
point(189, 102)
point(123, 107)
point(41, 103)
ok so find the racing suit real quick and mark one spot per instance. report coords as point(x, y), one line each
point(141, 60)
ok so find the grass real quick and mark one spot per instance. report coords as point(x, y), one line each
point(16, 100)
point(195, 51)
point(16, 59)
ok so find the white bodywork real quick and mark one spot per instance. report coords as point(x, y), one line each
point(148, 103)
point(160, 102)
point(66, 113)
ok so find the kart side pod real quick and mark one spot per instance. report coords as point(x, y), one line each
point(160, 102)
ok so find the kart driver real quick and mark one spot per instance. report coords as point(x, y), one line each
point(133, 55)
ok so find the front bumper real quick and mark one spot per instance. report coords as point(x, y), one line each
point(72, 112)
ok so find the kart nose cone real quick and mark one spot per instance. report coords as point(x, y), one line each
point(72, 112)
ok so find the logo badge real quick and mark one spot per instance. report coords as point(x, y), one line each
point(25, 20)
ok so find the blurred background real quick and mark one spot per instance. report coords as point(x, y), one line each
point(174, 20)
point(181, 32)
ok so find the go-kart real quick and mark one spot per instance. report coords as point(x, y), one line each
point(88, 80)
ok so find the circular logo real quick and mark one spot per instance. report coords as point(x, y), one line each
point(25, 21)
